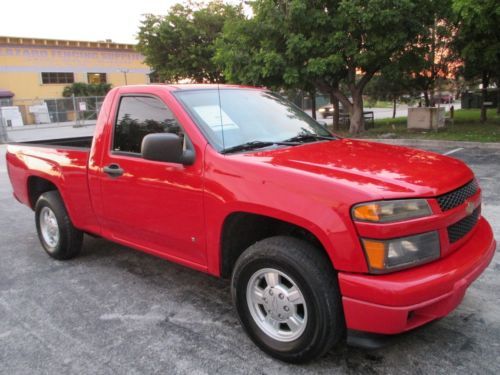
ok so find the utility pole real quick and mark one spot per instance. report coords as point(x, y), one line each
point(125, 71)
point(77, 112)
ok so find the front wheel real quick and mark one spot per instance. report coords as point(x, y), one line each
point(287, 297)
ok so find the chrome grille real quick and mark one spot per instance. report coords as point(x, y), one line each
point(456, 197)
point(461, 228)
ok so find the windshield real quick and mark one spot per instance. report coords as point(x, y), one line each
point(233, 117)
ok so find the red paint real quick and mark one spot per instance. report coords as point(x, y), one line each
point(403, 300)
point(178, 212)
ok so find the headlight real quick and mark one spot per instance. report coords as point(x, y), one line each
point(387, 211)
point(321, 110)
point(389, 255)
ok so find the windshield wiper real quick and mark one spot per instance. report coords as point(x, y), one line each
point(308, 137)
point(252, 145)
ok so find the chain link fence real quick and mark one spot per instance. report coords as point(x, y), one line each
point(3, 131)
point(76, 111)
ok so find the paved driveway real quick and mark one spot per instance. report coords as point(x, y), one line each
point(115, 310)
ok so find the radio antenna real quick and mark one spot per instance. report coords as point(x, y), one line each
point(220, 115)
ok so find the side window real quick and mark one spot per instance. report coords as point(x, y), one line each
point(139, 116)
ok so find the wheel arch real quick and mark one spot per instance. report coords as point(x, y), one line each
point(36, 186)
point(242, 229)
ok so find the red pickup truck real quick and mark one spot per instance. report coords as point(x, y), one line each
point(320, 235)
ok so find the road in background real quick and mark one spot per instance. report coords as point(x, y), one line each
point(381, 113)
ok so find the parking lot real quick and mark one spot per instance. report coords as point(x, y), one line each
point(116, 310)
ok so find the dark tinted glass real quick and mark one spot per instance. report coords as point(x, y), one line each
point(51, 77)
point(139, 116)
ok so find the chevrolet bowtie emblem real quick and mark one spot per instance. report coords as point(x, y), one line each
point(470, 208)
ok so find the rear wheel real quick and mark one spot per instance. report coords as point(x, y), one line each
point(286, 294)
point(59, 238)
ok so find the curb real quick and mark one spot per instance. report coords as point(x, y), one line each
point(434, 143)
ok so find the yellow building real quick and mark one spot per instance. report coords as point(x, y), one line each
point(40, 68)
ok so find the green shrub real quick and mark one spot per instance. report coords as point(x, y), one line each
point(86, 89)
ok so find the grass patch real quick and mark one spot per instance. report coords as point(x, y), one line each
point(466, 127)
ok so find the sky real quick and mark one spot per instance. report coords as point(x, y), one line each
point(88, 20)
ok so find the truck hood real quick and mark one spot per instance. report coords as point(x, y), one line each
point(377, 169)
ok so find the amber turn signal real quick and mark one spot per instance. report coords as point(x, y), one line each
point(375, 252)
point(391, 210)
point(367, 212)
point(403, 252)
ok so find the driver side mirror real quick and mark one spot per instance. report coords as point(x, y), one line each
point(167, 147)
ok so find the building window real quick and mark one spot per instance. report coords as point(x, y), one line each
point(51, 77)
point(96, 78)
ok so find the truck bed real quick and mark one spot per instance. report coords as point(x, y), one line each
point(61, 162)
point(78, 142)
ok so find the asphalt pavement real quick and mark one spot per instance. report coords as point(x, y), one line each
point(116, 310)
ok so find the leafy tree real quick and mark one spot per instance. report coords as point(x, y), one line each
point(428, 65)
point(432, 61)
point(478, 41)
point(392, 82)
point(86, 89)
point(180, 45)
point(325, 43)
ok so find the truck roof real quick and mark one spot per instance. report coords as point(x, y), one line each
point(193, 86)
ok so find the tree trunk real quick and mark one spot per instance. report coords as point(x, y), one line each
point(394, 108)
point(484, 92)
point(498, 97)
point(336, 108)
point(356, 119)
point(336, 113)
point(426, 98)
point(313, 103)
point(340, 97)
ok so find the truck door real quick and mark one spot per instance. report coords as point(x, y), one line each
point(154, 206)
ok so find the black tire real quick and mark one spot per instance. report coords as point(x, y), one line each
point(313, 274)
point(70, 239)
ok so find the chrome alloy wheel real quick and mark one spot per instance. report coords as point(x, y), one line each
point(276, 304)
point(49, 227)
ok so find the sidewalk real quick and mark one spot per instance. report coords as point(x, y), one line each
point(381, 113)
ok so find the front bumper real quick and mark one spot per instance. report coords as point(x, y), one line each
point(398, 302)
